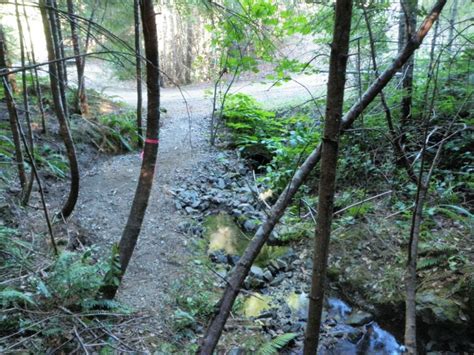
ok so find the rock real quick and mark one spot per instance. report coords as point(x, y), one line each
point(221, 184)
point(218, 256)
point(236, 213)
point(267, 275)
point(183, 227)
point(355, 336)
point(282, 265)
point(233, 259)
point(277, 280)
point(190, 210)
point(236, 351)
point(257, 272)
point(359, 318)
point(250, 225)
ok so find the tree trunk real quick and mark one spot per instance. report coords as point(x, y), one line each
point(452, 20)
point(70, 203)
point(136, 12)
point(210, 339)
point(145, 181)
point(38, 91)
point(12, 116)
point(327, 179)
point(400, 155)
point(26, 105)
point(410, 10)
point(54, 28)
point(81, 105)
point(189, 51)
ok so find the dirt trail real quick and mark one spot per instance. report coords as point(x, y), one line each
point(108, 189)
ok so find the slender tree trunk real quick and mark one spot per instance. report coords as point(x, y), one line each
point(81, 80)
point(35, 79)
point(26, 105)
point(214, 331)
point(452, 21)
point(138, 67)
point(81, 105)
point(189, 51)
point(410, 10)
point(12, 115)
point(417, 220)
point(327, 179)
point(61, 45)
point(400, 154)
point(9, 94)
point(147, 172)
point(60, 66)
point(64, 131)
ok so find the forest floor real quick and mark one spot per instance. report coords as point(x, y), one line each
point(160, 259)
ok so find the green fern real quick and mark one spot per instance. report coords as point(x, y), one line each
point(9, 296)
point(429, 262)
point(274, 345)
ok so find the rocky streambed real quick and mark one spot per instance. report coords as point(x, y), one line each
point(225, 205)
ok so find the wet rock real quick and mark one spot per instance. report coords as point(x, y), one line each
point(233, 259)
point(236, 351)
point(267, 275)
point(277, 280)
point(257, 272)
point(282, 265)
point(359, 318)
point(250, 225)
point(218, 257)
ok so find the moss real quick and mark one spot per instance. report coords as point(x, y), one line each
point(255, 304)
point(222, 233)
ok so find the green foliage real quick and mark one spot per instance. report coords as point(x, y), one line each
point(112, 277)
point(248, 121)
point(275, 345)
point(287, 140)
point(74, 278)
point(9, 296)
point(120, 132)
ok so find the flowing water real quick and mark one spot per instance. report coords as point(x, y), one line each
point(367, 339)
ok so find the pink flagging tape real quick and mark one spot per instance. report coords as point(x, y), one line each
point(152, 141)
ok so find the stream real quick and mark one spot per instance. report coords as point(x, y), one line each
point(374, 340)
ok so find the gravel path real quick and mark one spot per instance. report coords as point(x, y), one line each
point(108, 189)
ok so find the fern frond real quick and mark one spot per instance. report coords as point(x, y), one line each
point(9, 296)
point(273, 346)
point(426, 263)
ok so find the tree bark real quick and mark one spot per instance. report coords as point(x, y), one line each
point(81, 105)
point(56, 41)
point(327, 179)
point(214, 331)
point(138, 67)
point(12, 114)
point(452, 20)
point(26, 105)
point(410, 10)
point(400, 155)
point(38, 91)
point(145, 181)
point(70, 203)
